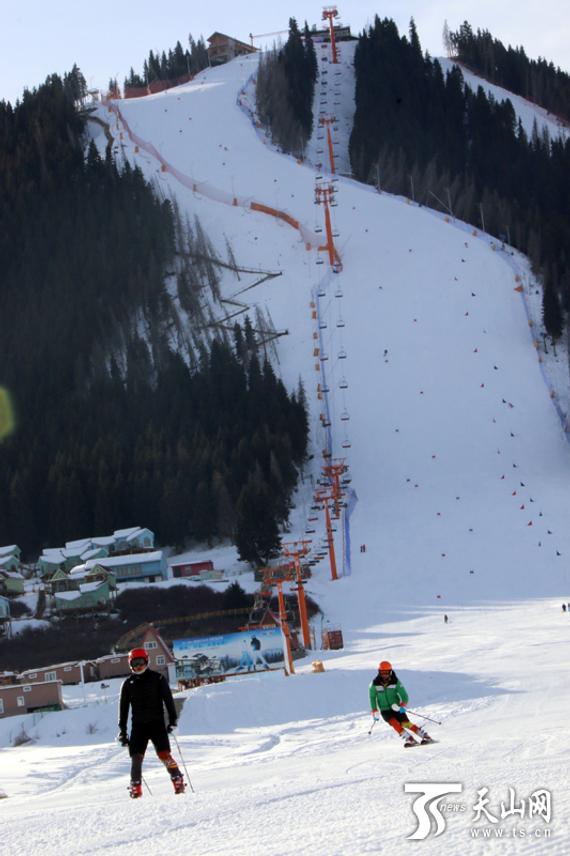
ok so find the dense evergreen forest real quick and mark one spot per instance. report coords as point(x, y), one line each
point(285, 87)
point(113, 428)
point(537, 80)
point(170, 65)
point(424, 135)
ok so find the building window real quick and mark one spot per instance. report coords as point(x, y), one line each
point(150, 646)
point(160, 660)
point(20, 701)
point(27, 689)
point(1, 705)
point(50, 676)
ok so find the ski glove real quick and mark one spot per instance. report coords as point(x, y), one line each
point(122, 738)
point(171, 727)
point(375, 715)
point(401, 708)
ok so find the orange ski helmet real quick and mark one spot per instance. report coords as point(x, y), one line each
point(385, 666)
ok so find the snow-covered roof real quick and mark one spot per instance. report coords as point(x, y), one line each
point(12, 574)
point(92, 586)
point(103, 541)
point(68, 595)
point(127, 533)
point(90, 554)
point(130, 559)
point(53, 555)
point(4, 551)
point(79, 545)
point(50, 668)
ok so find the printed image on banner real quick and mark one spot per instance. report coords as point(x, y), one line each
point(233, 653)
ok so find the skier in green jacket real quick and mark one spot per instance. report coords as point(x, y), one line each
point(389, 696)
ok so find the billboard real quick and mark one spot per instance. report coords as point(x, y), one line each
point(230, 654)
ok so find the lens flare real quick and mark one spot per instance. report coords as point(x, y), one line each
point(7, 420)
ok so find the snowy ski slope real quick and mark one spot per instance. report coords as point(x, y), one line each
point(461, 469)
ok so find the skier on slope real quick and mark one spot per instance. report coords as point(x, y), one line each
point(147, 693)
point(389, 696)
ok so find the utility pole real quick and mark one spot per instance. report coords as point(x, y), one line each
point(285, 625)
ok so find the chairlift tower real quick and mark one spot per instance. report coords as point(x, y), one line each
point(325, 196)
point(322, 498)
point(326, 122)
point(296, 551)
point(329, 13)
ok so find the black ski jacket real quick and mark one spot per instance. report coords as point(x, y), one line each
point(146, 695)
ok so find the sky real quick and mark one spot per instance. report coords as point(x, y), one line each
point(38, 38)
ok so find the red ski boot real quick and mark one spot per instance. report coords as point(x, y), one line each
point(178, 784)
point(135, 790)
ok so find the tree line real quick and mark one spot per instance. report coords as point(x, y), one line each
point(537, 80)
point(112, 424)
point(424, 135)
point(285, 87)
point(169, 65)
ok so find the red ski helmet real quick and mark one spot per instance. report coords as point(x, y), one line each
point(385, 666)
point(138, 660)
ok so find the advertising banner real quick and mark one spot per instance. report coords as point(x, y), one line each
point(231, 654)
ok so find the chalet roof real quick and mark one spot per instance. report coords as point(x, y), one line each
point(54, 666)
point(12, 574)
point(127, 533)
point(31, 683)
point(112, 656)
point(6, 551)
point(116, 561)
point(79, 545)
point(231, 39)
point(84, 588)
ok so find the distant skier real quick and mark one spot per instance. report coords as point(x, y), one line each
point(563, 607)
point(445, 619)
point(389, 696)
point(147, 693)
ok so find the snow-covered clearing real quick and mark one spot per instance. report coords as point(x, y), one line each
point(461, 469)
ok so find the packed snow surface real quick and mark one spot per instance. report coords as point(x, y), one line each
point(460, 463)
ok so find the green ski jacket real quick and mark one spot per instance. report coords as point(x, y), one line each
point(383, 697)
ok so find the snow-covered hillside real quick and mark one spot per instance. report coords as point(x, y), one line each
point(526, 111)
point(461, 468)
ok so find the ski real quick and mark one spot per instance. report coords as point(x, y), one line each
point(420, 743)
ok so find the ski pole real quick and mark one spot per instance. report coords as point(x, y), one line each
point(183, 762)
point(372, 726)
point(146, 784)
point(423, 716)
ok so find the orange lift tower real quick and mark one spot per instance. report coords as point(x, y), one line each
point(334, 471)
point(330, 12)
point(268, 581)
point(296, 550)
point(326, 122)
point(323, 498)
point(324, 195)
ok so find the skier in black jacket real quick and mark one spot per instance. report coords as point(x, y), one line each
point(147, 693)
